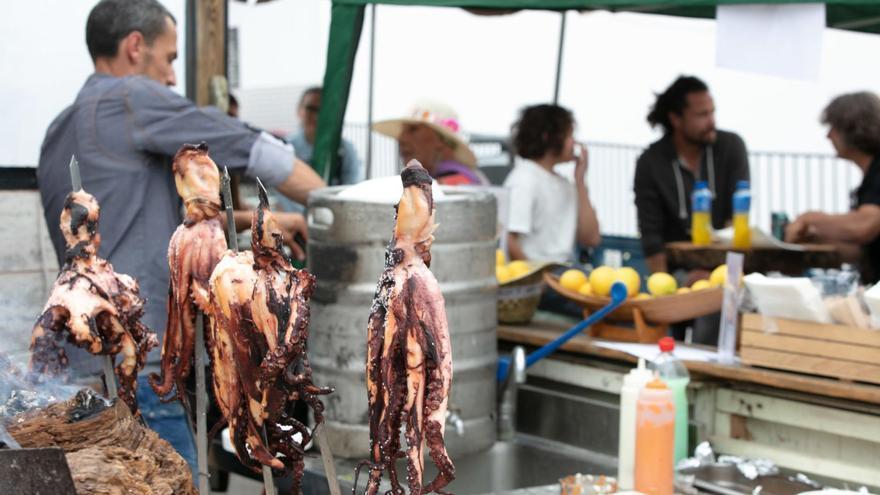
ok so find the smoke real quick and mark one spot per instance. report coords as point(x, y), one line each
point(20, 393)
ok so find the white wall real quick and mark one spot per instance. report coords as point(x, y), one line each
point(44, 62)
point(282, 50)
point(490, 67)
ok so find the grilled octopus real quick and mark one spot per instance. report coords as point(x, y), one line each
point(260, 331)
point(195, 249)
point(98, 309)
point(409, 356)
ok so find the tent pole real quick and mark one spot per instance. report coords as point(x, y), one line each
point(559, 59)
point(369, 172)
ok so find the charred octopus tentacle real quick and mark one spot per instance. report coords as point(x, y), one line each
point(195, 249)
point(260, 332)
point(409, 357)
point(97, 308)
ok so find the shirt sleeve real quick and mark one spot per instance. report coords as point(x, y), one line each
point(352, 167)
point(871, 190)
point(270, 159)
point(649, 208)
point(522, 200)
point(162, 120)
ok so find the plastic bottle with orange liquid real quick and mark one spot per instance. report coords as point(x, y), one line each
point(655, 439)
point(701, 214)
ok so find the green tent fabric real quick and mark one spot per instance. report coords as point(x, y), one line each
point(348, 18)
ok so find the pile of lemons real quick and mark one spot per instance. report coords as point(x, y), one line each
point(505, 271)
point(600, 280)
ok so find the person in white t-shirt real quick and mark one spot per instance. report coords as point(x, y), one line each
point(548, 213)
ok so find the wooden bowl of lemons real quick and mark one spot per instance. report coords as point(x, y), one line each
point(659, 298)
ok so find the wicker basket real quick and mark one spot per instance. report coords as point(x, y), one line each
point(518, 298)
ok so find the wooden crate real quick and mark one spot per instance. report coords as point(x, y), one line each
point(837, 351)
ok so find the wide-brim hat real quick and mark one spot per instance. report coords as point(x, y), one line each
point(439, 117)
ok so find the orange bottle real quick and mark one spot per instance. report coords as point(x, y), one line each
point(655, 439)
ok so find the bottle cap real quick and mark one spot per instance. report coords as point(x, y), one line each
point(742, 184)
point(701, 184)
point(667, 344)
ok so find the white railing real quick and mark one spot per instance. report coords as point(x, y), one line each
point(781, 182)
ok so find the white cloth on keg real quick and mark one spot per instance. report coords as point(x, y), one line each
point(382, 190)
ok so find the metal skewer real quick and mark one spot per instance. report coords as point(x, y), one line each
point(201, 407)
point(109, 375)
point(268, 480)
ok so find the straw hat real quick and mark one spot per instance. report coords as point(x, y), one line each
point(439, 117)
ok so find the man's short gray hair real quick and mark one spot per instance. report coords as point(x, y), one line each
point(112, 20)
point(856, 117)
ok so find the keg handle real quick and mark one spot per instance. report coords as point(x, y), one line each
point(320, 218)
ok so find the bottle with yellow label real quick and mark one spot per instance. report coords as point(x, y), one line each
point(701, 214)
point(742, 232)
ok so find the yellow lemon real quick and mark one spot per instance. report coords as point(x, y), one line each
point(661, 284)
point(518, 268)
point(701, 284)
point(601, 280)
point(631, 278)
point(585, 289)
point(683, 290)
point(719, 276)
point(502, 273)
point(572, 279)
point(642, 295)
point(500, 258)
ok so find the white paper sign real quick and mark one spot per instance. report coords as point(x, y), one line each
point(777, 40)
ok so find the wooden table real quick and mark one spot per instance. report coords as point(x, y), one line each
point(689, 256)
point(540, 333)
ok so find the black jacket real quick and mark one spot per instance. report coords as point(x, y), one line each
point(868, 193)
point(663, 187)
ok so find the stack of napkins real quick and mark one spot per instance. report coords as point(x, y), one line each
point(791, 298)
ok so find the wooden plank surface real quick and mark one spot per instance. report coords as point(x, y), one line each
point(810, 347)
point(811, 364)
point(687, 255)
point(838, 333)
point(540, 333)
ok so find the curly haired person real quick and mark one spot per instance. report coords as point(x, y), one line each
point(854, 131)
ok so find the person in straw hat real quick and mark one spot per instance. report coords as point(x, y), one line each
point(431, 135)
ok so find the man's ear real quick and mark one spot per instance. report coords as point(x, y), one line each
point(133, 47)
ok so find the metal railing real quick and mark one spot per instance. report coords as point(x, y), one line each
point(781, 182)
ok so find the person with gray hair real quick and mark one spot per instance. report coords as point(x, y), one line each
point(124, 127)
point(854, 131)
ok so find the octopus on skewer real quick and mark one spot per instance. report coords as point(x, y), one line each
point(409, 356)
point(91, 306)
point(259, 334)
point(194, 251)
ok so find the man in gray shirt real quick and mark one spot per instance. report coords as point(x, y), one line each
point(124, 127)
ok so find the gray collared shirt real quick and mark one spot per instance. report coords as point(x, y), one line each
point(124, 132)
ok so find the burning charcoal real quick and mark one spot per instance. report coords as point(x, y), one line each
point(86, 403)
point(24, 400)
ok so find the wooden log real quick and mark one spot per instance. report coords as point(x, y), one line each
point(107, 449)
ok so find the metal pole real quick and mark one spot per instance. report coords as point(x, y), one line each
point(109, 375)
point(559, 59)
point(201, 407)
point(370, 92)
point(327, 459)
